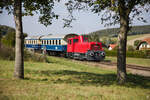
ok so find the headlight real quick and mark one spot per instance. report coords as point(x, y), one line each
point(103, 53)
point(91, 53)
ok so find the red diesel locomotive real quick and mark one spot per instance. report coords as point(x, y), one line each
point(78, 47)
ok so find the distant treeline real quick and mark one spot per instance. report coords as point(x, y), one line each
point(6, 29)
point(113, 32)
point(7, 36)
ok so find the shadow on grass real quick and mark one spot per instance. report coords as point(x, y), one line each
point(88, 78)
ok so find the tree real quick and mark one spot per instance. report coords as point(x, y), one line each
point(115, 12)
point(44, 7)
point(137, 42)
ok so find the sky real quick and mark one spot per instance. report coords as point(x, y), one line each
point(85, 22)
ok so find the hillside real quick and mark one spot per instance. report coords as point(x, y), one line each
point(6, 29)
point(145, 29)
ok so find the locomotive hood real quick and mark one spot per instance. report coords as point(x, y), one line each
point(95, 46)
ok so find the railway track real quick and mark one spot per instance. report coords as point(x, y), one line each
point(112, 64)
point(137, 67)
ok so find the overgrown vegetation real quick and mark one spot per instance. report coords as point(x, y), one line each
point(7, 53)
point(62, 79)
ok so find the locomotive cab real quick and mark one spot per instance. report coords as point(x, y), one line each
point(79, 48)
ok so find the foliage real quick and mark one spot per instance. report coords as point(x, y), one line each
point(9, 39)
point(134, 54)
point(93, 38)
point(34, 57)
point(137, 42)
point(8, 35)
point(131, 48)
point(7, 53)
point(6, 29)
point(108, 40)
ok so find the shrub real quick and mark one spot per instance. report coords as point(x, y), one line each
point(131, 48)
point(7, 53)
point(137, 42)
point(30, 56)
point(135, 54)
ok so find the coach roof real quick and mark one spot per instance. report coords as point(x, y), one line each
point(32, 37)
point(53, 36)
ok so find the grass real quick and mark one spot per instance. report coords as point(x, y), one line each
point(64, 79)
point(134, 61)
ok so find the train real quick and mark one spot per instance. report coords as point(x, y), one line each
point(71, 45)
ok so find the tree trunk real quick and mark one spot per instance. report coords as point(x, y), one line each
point(122, 42)
point(19, 64)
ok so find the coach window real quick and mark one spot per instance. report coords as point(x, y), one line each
point(59, 42)
point(53, 42)
point(56, 42)
point(47, 42)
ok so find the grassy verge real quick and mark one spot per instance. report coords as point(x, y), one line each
point(134, 61)
point(63, 79)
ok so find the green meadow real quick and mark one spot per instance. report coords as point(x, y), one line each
point(66, 79)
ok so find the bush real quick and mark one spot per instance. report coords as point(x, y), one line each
point(7, 53)
point(30, 56)
point(135, 54)
point(137, 42)
point(111, 53)
point(131, 48)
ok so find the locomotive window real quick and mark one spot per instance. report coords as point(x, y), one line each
point(75, 40)
point(69, 41)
